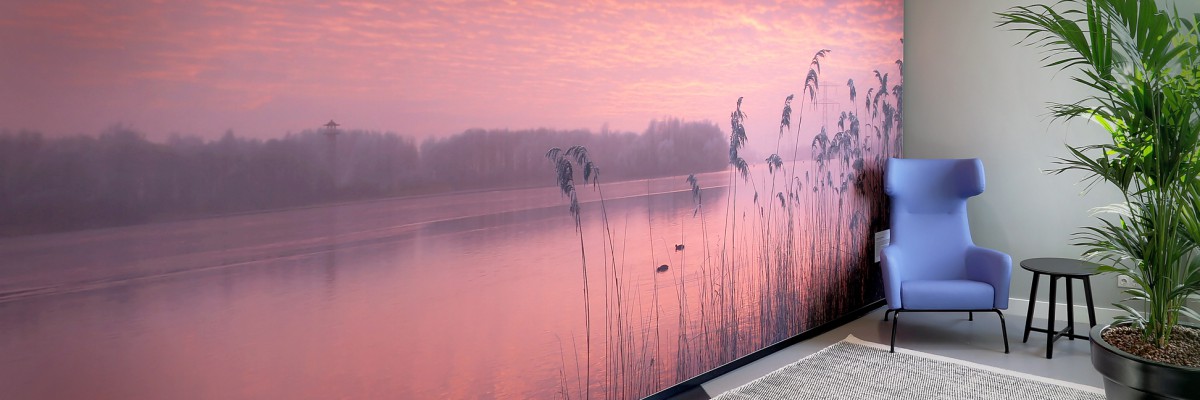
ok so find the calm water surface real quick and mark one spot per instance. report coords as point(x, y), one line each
point(474, 295)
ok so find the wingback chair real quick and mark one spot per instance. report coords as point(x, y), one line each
point(931, 263)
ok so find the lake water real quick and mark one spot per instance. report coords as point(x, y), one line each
point(469, 295)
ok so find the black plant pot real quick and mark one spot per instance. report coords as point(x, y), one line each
point(1127, 376)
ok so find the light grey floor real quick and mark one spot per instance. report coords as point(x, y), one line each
point(946, 334)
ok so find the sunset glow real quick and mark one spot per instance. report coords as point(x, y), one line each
point(264, 68)
point(320, 199)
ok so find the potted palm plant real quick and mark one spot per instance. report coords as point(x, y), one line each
point(1141, 65)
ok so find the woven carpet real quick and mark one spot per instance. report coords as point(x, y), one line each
point(855, 369)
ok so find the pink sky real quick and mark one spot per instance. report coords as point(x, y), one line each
point(266, 67)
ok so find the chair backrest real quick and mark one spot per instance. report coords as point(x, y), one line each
point(929, 213)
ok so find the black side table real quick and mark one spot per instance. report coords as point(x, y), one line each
point(1067, 269)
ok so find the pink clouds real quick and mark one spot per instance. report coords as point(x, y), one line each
point(421, 68)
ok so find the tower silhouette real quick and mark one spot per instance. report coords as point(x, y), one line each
point(331, 131)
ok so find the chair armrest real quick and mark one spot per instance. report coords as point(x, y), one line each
point(991, 267)
point(892, 264)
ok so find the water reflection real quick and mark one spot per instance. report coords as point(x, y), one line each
point(351, 301)
point(468, 295)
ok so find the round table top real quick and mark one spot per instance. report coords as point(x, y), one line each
point(1060, 266)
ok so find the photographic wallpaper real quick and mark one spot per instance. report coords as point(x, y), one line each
point(436, 199)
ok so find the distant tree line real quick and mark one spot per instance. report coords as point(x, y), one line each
point(483, 158)
point(119, 177)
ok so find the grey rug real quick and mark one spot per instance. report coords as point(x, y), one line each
point(854, 369)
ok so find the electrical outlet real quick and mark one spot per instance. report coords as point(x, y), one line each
point(882, 239)
point(1125, 282)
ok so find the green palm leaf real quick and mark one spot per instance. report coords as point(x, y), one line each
point(1141, 65)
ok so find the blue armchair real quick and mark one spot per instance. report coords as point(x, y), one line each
point(931, 263)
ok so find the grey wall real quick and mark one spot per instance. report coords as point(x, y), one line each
point(969, 91)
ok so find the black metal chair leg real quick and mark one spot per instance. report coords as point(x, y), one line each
point(1003, 330)
point(895, 320)
point(970, 315)
point(885, 315)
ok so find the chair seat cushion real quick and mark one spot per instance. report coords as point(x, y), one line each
point(959, 294)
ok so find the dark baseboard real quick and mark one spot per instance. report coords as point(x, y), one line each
point(693, 385)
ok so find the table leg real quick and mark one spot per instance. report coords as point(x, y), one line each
point(1087, 296)
point(1032, 299)
point(1050, 320)
point(1070, 310)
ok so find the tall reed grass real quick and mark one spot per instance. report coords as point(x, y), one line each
point(797, 256)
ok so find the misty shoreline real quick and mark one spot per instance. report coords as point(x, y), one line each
point(120, 178)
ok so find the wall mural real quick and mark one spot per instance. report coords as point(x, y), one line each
point(254, 199)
